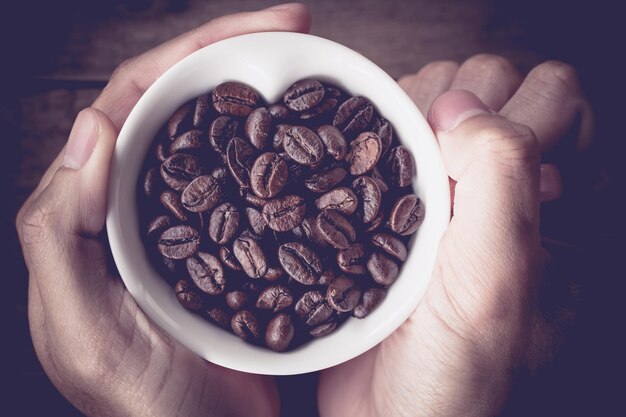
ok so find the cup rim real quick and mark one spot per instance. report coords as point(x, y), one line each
point(185, 326)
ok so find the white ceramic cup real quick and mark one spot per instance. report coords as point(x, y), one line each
point(270, 62)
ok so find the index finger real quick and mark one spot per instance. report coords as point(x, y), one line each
point(133, 77)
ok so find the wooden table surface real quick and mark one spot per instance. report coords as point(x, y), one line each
point(58, 56)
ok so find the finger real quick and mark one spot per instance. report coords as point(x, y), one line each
point(133, 77)
point(429, 83)
point(58, 229)
point(492, 78)
point(550, 101)
point(495, 163)
point(550, 184)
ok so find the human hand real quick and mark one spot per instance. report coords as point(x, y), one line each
point(93, 341)
point(479, 318)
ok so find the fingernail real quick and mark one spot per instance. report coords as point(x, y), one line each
point(454, 107)
point(283, 6)
point(81, 142)
point(550, 185)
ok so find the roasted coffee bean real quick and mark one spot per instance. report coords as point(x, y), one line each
point(327, 277)
point(274, 298)
point(245, 325)
point(383, 129)
point(313, 309)
point(188, 141)
point(406, 215)
point(279, 137)
point(334, 141)
point(390, 244)
point(341, 199)
point(219, 316)
point(384, 271)
point(352, 260)
point(202, 194)
point(235, 99)
point(280, 332)
point(304, 95)
point(278, 112)
point(221, 175)
point(236, 299)
point(201, 111)
point(323, 329)
point(251, 257)
point(171, 201)
point(296, 171)
point(224, 223)
point(228, 258)
point(326, 179)
point(187, 296)
point(257, 127)
point(353, 116)
point(369, 198)
point(400, 166)
point(207, 273)
point(150, 182)
point(364, 153)
point(312, 232)
point(161, 152)
point(328, 103)
point(240, 156)
point(303, 145)
point(274, 272)
point(268, 175)
point(343, 294)
point(285, 213)
point(179, 120)
point(222, 130)
point(255, 220)
point(370, 299)
point(380, 180)
point(179, 170)
point(335, 229)
point(300, 262)
point(158, 224)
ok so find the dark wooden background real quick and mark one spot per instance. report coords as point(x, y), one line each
point(56, 57)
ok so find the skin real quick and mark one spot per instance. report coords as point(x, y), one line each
point(453, 356)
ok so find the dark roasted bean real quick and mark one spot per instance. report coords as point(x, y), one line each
point(274, 272)
point(235, 99)
point(280, 332)
point(188, 141)
point(202, 194)
point(179, 120)
point(383, 270)
point(257, 127)
point(179, 170)
point(335, 229)
point(228, 258)
point(334, 141)
point(300, 262)
point(383, 129)
point(207, 273)
point(278, 112)
point(370, 299)
point(313, 309)
point(304, 95)
point(303, 145)
point(222, 130)
point(343, 294)
point(352, 259)
point(274, 298)
point(187, 296)
point(240, 156)
point(236, 299)
point(406, 215)
point(323, 329)
point(245, 325)
point(369, 198)
point(151, 182)
point(353, 116)
point(400, 166)
point(201, 111)
point(268, 175)
point(224, 223)
point(250, 256)
point(158, 224)
point(285, 213)
point(325, 180)
point(364, 153)
point(341, 199)
point(256, 221)
point(390, 244)
point(219, 316)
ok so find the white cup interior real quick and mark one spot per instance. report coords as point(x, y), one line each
point(270, 62)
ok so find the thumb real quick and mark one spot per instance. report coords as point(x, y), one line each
point(491, 250)
point(58, 227)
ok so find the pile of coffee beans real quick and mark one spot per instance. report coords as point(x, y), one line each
point(278, 221)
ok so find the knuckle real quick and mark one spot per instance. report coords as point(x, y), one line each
point(557, 76)
point(438, 69)
point(35, 223)
point(509, 143)
point(122, 69)
point(488, 65)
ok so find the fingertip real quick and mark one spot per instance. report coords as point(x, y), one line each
point(454, 107)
